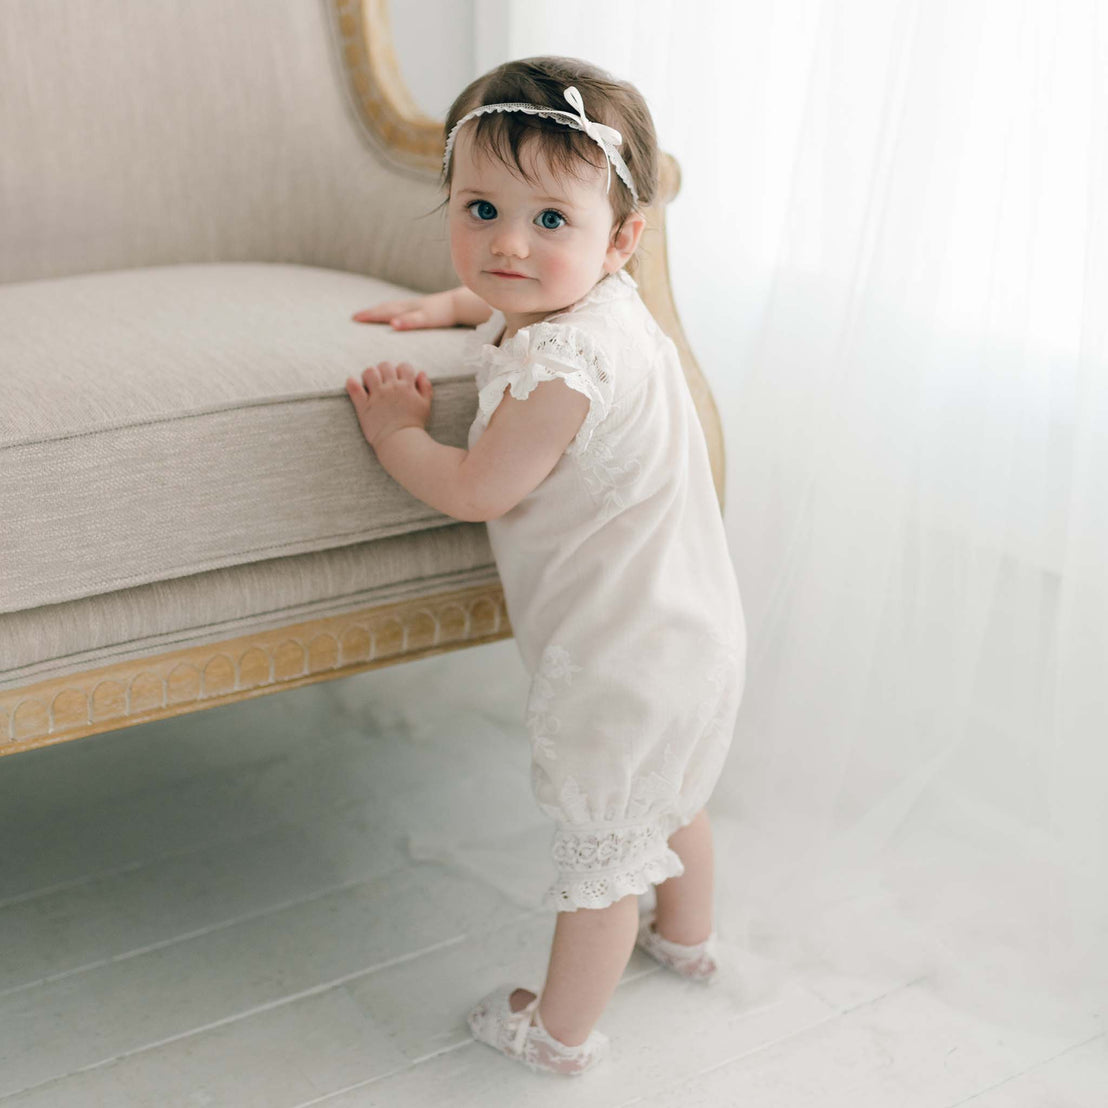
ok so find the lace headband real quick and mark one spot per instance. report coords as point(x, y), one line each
point(607, 138)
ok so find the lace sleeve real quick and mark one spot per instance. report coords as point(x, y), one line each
point(552, 351)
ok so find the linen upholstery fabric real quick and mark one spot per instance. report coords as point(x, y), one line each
point(139, 134)
point(224, 603)
point(162, 422)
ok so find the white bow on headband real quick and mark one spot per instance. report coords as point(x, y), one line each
point(607, 138)
point(591, 128)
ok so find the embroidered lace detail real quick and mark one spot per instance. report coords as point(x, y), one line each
point(650, 792)
point(654, 791)
point(597, 890)
point(555, 666)
point(543, 352)
point(598, 849)
point(608, 477)
point(599, 864)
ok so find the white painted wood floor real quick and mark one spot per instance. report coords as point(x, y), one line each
point(227, 909)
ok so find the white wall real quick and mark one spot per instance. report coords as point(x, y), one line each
point(439, 33)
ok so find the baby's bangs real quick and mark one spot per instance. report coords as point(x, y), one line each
point(503, 135)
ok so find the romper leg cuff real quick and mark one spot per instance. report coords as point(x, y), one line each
point(599, 864)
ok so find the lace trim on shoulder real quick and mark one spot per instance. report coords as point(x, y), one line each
point(543, 352)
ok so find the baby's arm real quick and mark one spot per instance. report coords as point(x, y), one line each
point(521, 445)
point(519, 448)
point(438, 309)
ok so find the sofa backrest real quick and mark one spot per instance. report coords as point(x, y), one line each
point(151, 132)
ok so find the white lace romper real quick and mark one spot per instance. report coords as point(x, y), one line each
point(621, 594)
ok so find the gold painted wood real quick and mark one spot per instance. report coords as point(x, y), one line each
point(373, 72)
point(182, 681)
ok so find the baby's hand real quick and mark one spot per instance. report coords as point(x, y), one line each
point(391, 399)
point(435, 310)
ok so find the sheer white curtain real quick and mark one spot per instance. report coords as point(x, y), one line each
point(891, 256)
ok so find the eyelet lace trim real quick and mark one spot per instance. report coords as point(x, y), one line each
point(599, 865)
point(543, 352)
point(588, 886)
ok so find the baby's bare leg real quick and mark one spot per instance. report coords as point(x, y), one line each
point(592, 946)
point(684, 904)
point(589, 952)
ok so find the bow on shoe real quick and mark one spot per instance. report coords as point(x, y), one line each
point(524, 1015)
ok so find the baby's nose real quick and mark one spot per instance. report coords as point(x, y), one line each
point(510, 240)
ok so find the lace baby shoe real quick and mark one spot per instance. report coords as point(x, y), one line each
point(521, 1035)
point(697, 962)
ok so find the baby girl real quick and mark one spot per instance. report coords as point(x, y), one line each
point(587, 462)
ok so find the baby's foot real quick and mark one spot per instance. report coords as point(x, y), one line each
point(696, 962)
point(522, 1036)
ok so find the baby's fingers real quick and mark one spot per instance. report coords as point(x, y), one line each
point(356, 391)
point(382, 313)
point(404, 321)
point(402, 314)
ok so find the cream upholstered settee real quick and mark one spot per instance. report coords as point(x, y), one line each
point(195, 197)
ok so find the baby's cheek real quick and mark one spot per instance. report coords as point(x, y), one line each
point(563, 270)
point(461, 249)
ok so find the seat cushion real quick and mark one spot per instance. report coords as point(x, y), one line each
point(166, 421)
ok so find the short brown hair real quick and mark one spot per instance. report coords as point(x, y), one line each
point(543, 81)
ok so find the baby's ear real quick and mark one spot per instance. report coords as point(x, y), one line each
point(626, 239)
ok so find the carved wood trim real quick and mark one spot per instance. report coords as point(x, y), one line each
point(182, 681)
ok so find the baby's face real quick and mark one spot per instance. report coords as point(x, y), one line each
point(555, 234)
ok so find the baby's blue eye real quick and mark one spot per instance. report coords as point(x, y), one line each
point(483, 209)
point(549, 214)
